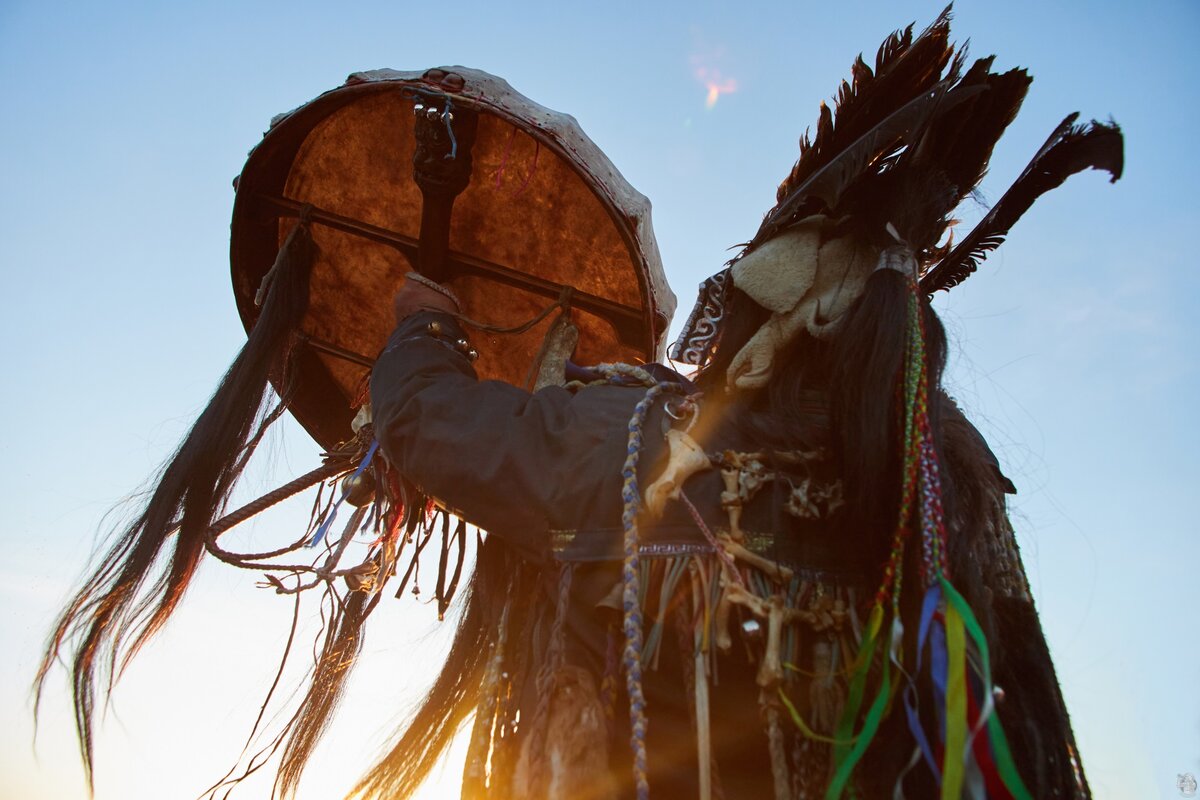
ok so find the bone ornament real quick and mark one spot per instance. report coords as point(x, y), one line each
point(721, 622)
point(769, 568)
point(777, 614)
point(684, 459)
point(731, 501)
point(732, 582)
point(743, 474)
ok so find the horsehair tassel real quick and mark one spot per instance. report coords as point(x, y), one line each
point(119, 607)
point(959, 657)
point(475, 768)
point(954, 677)
point(849, 747)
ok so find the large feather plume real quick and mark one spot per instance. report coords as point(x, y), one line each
point(905, 70)
point(909, 140)
point(945, 164)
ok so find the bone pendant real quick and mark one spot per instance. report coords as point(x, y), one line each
point(684, 459)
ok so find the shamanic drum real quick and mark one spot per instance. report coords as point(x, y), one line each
point(454, 174)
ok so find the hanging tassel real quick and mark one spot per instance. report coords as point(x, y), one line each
point(475, 770)
point(1000, 751)
point(959, 657)
point(956, 705)
point(323, 529)
point(949, 638)
point(849, 747)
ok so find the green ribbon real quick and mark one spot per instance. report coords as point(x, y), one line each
point(1000, 750)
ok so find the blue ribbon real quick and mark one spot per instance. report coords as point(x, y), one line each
point(319, 536)
point(928, 608)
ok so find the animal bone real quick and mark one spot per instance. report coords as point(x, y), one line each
point(731, 501)
point(800, 503)
point(685, 459)
point(741, 553)
point(770, 671)
point(777, 614)
point(721, 620)
point(751, 478)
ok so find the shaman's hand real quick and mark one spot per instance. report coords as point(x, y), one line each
point(421, 294)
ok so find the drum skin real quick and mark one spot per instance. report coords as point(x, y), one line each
point(544, 209)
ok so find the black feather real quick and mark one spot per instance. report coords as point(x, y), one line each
point(932, 177)
point(1070, 149)
point(904, 69)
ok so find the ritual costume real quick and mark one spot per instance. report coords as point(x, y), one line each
point(789, 574)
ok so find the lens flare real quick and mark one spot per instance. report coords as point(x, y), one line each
point(715, 85)
point(710, 76)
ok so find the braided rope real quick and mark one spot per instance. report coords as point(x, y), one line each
point(631, 620)
point(642, 376)
point(547, 676)
point(417, 277)
point(311, 478)
point(777, 747)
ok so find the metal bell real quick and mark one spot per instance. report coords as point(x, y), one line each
point(359, 489)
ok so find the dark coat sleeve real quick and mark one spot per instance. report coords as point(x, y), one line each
point(515, 463)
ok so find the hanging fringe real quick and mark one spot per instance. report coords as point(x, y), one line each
point(319, 536)
point(339, 654)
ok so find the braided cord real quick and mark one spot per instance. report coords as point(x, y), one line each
point(631, 619)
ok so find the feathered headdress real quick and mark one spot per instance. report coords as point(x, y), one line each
point(906, 142)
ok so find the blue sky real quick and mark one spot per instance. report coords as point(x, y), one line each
point(124, 124)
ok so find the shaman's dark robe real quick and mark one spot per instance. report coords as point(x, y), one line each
point(543, 471)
